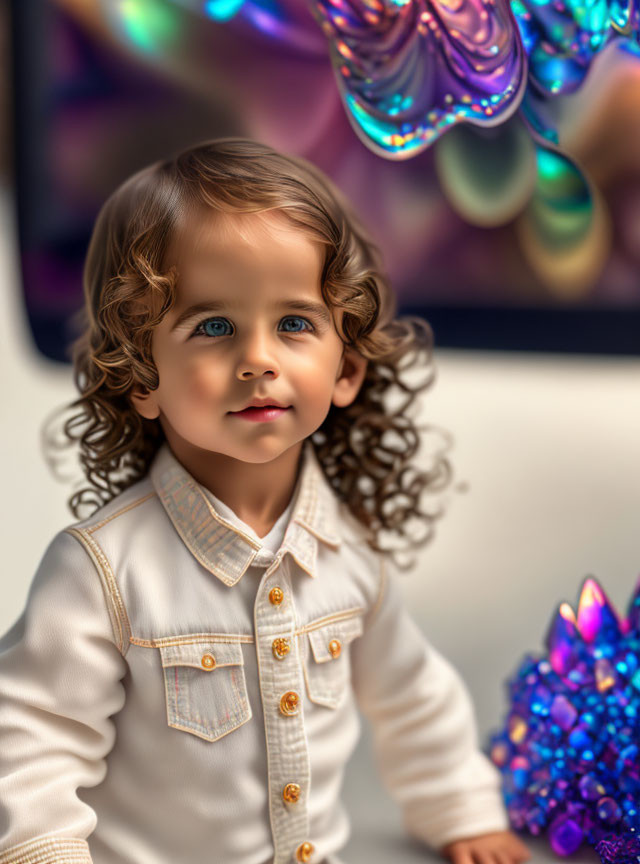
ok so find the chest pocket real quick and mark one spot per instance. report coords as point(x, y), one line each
point(327, 669)
point(205, 686)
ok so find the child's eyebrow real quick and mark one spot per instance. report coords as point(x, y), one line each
point(218, 306)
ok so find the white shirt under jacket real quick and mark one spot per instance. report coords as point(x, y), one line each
point(142, 709)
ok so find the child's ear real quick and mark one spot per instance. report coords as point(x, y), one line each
point(353, 368)
point(145, 402)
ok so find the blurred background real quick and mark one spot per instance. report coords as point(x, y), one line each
point(518, 241)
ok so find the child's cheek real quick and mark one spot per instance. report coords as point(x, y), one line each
point(202, 382)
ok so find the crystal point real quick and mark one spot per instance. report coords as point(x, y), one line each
point(562, 640)
point(597, 619)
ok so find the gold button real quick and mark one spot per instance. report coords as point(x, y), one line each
point(335, 648)
point(305, 851)
point(289, 703)
point(280, 647)
point(208, 661)
point(291, 793)
point(276, 596)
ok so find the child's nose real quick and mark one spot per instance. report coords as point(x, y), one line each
point(258, 357)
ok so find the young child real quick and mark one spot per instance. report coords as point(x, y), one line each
point(183, 684)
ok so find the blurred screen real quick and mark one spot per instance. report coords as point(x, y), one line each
point(499, 243)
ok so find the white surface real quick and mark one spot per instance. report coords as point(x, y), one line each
point(549, 448)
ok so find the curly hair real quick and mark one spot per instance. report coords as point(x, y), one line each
point(365, 449)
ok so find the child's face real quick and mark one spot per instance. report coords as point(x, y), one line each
point(250, 275)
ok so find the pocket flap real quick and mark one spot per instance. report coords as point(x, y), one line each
point(207, 654)
point(327, 640)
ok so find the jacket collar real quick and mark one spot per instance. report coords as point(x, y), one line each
point(223, 548)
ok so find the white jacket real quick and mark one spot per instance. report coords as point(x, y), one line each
point(162, 703)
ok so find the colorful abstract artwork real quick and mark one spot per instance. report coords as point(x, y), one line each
point(488, 143)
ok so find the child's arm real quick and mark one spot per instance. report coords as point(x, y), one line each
point(425, 735)
point(60, 672)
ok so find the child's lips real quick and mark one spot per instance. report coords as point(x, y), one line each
point(267, 412)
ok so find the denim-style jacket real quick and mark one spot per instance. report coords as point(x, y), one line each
point(174, 693)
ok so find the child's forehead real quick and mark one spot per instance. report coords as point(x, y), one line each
point(203, 232)
point(232, 254)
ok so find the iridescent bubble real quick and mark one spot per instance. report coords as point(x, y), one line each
point(487, 175)
point(565, 231)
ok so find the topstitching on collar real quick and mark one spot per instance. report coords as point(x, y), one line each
point(224, 548)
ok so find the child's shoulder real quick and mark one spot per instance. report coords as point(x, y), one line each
point(130, 509)
point(354, 540)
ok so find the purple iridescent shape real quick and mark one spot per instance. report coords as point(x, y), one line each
point(408, 70)
point(562, 37)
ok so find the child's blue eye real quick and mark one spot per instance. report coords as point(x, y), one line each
point(221, 327)
point(309, 326)
point(213, 327)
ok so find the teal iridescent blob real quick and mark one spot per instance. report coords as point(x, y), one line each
point(561, 37)
point(561, 206)
point(150, 25)
point(573, 768)
point(222, 10)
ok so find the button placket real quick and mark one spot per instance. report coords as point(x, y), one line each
point(281, 680)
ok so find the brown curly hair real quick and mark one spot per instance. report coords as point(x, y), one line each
point(365, 449)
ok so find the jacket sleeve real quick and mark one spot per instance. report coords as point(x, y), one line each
point(60, 681)
point(423, 725)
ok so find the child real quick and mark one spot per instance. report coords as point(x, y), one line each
point(184, 681)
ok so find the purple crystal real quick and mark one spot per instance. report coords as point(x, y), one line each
point(579, 738)
point(619, 850)
point(563, 713)
point(541, 700)
point(562, 639)
point(573, 734)
point(565, 835)
point(605, 675)
point(597, 619)
point(633, 612)
point(589, 788)
point(608, 811)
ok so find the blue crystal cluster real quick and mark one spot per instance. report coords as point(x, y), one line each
point(569, 749)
